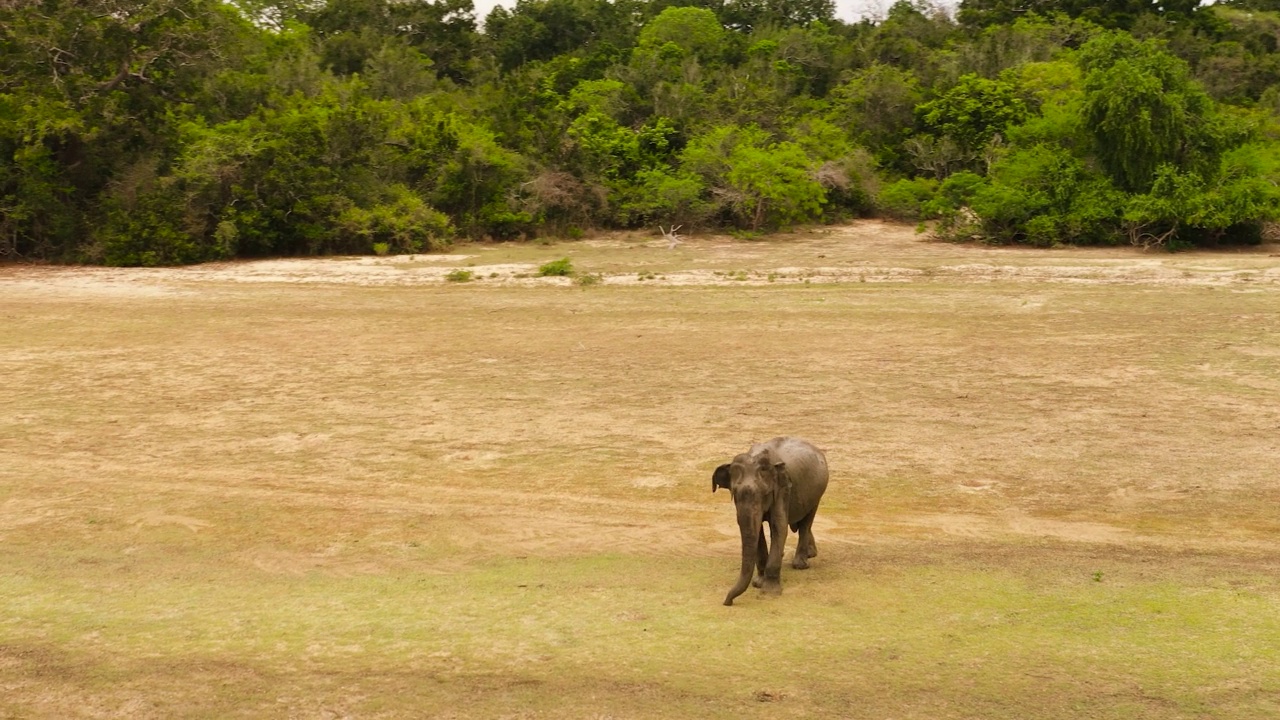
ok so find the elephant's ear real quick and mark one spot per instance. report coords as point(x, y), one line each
point(778, 469)
point(783, 477)
point(720, 478)
point(769, 466)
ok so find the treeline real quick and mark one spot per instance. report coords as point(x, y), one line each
point(145, 132)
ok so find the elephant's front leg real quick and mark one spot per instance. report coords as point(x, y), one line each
point(773, 566)
point(762, 560)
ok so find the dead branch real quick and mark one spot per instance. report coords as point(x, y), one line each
point(673, 239)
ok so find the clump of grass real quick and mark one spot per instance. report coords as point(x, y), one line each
point(460, 275)
point(381, 248)
point(556, 268)
point(589, 279)
point(646, 275)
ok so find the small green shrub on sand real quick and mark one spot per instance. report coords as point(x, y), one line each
point(556, 268)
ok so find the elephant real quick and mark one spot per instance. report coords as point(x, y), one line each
point(780, 481)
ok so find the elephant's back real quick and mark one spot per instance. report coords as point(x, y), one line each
point(800, 455)
point(807, 466)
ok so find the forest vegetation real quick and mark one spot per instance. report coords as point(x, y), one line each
point(155, 132)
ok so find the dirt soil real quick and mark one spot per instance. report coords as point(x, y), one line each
point(350, 487)
point(865, 251)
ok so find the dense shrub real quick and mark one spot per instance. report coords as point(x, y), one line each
point(556, 268)
point(404, 224)
point(906, 199)
point(754, 181)
point(152, 229)
point(1044, 196)
point(663, 196)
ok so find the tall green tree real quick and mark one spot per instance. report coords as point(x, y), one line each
point(538, 30)
point(353, 32)
point(973, 111)
point(88, 94)
point(759, 182)
point(1144, 111)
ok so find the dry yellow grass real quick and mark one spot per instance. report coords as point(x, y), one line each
point(347, 487)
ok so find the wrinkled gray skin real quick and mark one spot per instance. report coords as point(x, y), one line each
point(779, 482)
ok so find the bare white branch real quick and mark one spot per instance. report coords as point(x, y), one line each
point(672, 238)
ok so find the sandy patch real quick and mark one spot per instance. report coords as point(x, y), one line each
point(153, 518)
point(865, 251)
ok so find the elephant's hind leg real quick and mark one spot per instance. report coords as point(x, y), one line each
point(805, 546)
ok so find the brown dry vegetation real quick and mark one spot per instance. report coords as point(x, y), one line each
point(349, 488)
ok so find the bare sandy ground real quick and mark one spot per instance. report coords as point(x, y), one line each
point(863, 251)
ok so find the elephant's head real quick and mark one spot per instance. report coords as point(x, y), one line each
point(754, 480)
point(759, 484)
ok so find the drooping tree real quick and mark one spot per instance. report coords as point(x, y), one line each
point(1144, 111)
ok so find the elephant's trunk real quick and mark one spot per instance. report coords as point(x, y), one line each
point(749, 522)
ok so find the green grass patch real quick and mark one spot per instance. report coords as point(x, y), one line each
point(1001, 643)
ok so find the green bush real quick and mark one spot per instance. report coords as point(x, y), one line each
point(973, 111)
point(905, 199)
point(1145, 111)
point(151, 229)
point(1044, 196)
point(776, 186)
point(664, 196)
point(403, 224)
point(759, 184)
point(955, 192)
point(1183, 210)
point(503, 224)
point(556, 268)
point(465, 172)
point(460, 275)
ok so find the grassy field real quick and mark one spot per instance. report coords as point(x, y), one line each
point(351, 488)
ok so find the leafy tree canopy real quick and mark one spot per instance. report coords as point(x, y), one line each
point(174, 131)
